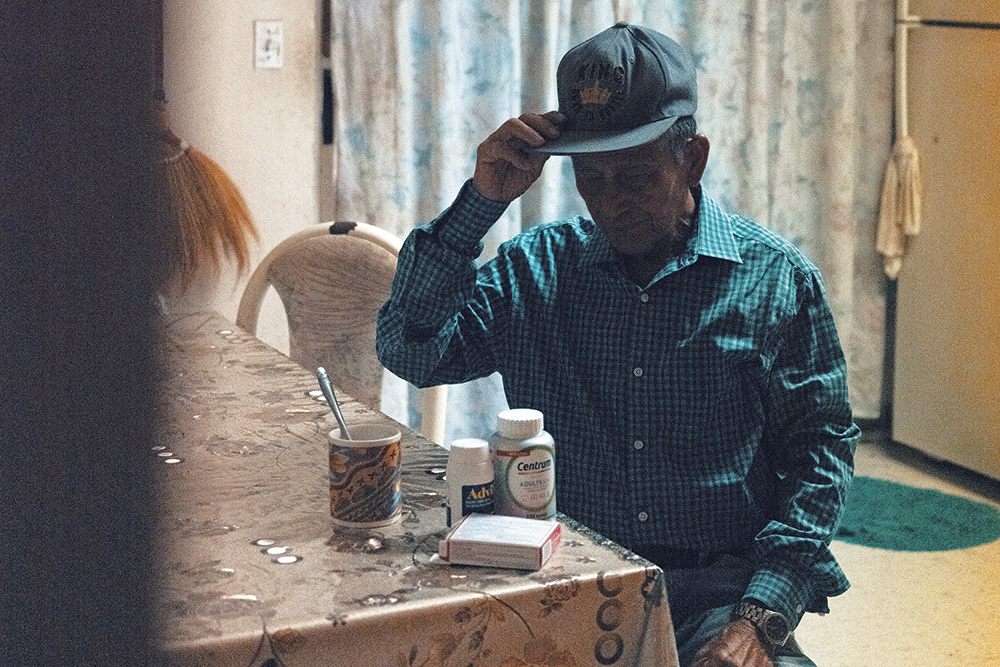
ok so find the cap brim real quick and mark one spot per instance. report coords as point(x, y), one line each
point(572, 142)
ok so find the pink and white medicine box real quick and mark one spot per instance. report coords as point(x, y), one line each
point(493, 540)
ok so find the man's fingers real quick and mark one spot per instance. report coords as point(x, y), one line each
point(505, 164)
point(531, 128)
point(522, 129)
point(511, 141)
point(555, 117)
point(510, 150)
point(546, 125)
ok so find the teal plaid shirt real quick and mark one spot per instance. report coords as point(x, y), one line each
point(706, 411)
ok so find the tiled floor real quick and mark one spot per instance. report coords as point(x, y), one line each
point(912, 609)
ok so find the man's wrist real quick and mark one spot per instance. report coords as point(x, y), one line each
point(465, 223)
point(782, 588)
point(479, 191)
point(772, 627)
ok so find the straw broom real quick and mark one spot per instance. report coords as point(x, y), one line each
point(205, 213)
point(903, 188)
point(207, 216)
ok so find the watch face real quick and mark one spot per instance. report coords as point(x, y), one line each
point(776, 628)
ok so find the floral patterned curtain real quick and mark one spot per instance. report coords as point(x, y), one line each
point(796, 98)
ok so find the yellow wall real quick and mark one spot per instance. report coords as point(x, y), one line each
point(261, 125)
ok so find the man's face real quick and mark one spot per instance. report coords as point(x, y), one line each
point(640, 197)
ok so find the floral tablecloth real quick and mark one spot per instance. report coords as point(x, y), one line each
point(252, 572)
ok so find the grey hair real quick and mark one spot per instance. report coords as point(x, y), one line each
point(675, 140)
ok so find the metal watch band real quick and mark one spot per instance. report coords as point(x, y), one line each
point(759, 616)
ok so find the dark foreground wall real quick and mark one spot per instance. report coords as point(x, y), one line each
point(76, 251)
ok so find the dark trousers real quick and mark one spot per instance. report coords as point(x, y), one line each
point(702, 590)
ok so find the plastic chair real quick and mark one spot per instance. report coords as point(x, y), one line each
point(332, 280)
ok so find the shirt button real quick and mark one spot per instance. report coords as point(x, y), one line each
point(644, 297)
point(638, 444)
point(637, 371)
point(643, 516)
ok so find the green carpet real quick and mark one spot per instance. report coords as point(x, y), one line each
point(886, 515)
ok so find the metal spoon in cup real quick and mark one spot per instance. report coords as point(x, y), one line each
point(331, 398)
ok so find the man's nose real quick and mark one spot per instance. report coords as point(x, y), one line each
point(613, 196)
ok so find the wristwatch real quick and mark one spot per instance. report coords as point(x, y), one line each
point(771, 625)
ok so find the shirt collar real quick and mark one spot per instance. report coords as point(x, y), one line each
point(712, 237)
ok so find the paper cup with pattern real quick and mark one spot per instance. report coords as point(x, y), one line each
point(365, 476)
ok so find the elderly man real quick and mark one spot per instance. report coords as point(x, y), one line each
point(684, 357)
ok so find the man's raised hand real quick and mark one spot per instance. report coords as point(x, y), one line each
point(505, 168)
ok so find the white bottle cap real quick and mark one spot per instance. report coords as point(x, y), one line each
point(520, 424)
point(468, 453)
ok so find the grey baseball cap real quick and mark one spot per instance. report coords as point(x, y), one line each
point(624, 87)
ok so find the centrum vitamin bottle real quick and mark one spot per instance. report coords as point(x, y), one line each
point(524, 466)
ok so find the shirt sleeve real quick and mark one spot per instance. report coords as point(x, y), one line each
point(436, 327)
point(811, 436)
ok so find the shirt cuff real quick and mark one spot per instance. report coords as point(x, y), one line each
point(465, 223)
point(782, 589)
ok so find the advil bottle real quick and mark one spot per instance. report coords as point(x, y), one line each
point(524, 466)
point(470, 479)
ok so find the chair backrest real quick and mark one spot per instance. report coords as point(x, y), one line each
point(332, 279)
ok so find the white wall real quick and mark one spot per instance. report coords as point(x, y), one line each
point(261, 125)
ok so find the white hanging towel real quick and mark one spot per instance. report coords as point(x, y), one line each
point(902, 204)
point(903, 188)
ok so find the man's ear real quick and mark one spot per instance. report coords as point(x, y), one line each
point(696, 158)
